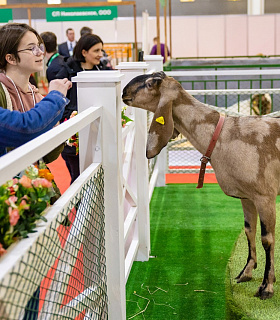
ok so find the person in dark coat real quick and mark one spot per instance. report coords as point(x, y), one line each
point(54, 59)
point(66, 48)
point(87, 56)
point(162, 49)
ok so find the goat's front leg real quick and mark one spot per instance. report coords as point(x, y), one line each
point(250, 220)
point(267, 213)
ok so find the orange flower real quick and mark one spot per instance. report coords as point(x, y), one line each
point(11, 200)
point(25, 182)
point(45, 173)
point(41, 183)
point(14, 216)
point(23, 205)
point(2, 250)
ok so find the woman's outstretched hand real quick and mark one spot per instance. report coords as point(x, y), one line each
point(61, 85)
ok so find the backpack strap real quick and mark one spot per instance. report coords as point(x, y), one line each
point(5, 98)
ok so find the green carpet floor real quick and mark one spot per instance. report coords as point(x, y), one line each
point(193, 232)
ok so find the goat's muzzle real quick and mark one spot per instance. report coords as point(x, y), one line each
point(127, 100)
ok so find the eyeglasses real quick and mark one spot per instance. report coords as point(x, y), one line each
point(36, 50)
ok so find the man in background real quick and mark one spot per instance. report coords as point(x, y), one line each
point(85, 30)
point(162, 49)
point(66, 48)
point(54, 59)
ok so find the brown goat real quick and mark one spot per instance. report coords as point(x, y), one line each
point(246, 158)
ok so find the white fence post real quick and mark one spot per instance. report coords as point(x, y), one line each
point(155, 62)
point(103, 88)
point(131, 70)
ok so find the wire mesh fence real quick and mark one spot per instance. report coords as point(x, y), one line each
point(184, 158)
point(62, 275)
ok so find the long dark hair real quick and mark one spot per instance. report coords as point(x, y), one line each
point(10, 37)
point(85, 43)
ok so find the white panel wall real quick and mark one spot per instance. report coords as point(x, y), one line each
point(184, 37)
point(261, 34)
point(277, 34)
point(211, 40)
point(191, 35)
point(236, 35)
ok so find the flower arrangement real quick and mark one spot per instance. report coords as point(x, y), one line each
point(22, 202)
point(74, 140)
point(125, 119)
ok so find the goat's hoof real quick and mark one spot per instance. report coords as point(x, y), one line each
point(262, 294)
point(243, 278)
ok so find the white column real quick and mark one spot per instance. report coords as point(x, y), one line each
point(97, 89)
point(255, 7)
point(145, 32)
point(131, 70)
point(155, 62)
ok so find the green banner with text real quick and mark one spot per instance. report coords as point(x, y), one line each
point(81, 14)
point(6, 15)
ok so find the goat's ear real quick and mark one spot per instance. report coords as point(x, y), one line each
point(153, 82)
point(161, 130)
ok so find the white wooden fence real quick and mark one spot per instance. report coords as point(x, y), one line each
point(121, 153)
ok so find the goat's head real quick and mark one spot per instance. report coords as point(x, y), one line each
point(261, 104)
point(154, 92)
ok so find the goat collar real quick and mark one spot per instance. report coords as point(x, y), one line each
point(207, 157)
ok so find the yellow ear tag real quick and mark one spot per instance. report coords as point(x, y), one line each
point(160, 120)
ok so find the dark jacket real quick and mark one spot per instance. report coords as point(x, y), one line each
point(63, 50)
point(70, 69)
point(54, 65)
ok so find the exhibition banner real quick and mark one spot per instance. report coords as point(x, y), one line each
point(6, 15)
point(81, 14)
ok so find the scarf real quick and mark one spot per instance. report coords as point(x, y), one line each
point(26, 97)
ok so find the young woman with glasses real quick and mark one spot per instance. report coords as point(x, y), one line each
point(21, 54)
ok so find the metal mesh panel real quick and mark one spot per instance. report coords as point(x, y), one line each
point(63, 274)
point(184, 158)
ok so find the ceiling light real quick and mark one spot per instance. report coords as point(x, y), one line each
point(53, 1)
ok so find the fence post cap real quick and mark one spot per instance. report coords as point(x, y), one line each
point(153, 57)
point(132, 65)
point(98, 76)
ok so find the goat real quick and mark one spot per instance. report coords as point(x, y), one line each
point(260, 104)
point(246, 158)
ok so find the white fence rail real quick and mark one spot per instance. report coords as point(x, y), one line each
point(121, 153)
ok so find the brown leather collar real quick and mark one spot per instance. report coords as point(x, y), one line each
point(207, 157)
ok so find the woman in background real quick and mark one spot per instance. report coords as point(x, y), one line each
point(87, 55)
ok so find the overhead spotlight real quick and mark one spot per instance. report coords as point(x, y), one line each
point(53, 1)
point(3, 2)
point(187, 0)
point(114, 0)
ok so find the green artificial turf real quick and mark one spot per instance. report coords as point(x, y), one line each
point(193, 232)
point(241, 303)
